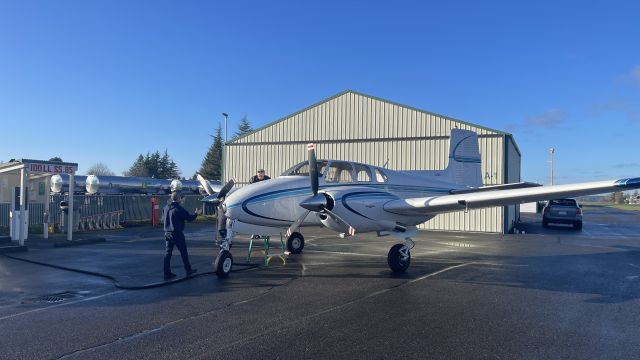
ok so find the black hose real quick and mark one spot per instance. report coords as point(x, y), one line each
point(247, 266)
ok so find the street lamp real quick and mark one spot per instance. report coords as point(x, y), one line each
point(551, 151)
point(226, 116)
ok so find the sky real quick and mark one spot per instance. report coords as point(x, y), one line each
point(105, 81)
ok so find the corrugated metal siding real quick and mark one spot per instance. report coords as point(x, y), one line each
point(512, 213)
point(360, 128)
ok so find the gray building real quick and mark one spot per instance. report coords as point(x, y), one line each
point(358, 127)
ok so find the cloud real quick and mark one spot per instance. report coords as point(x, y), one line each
point(619, 106)
point(550, 119)
point(626, 165)
point(634, 77)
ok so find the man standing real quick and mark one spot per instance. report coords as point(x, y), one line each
point(174, 216)
point(259, 176)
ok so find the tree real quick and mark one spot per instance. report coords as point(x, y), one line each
point(138, 168)
point(167, 168)
point(243, 128)
point(617, 197)
point(56, 158)
point(100, 169)
point(154, 165)
point(211, 167)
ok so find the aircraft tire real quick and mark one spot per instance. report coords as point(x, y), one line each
point(223, 264)
point(295, 243)
point(394, 259)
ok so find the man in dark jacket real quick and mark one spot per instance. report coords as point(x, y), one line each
point(174, 216)
point(259, 176)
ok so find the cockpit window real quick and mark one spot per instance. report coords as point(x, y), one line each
point(380, 176)
point(302, 169)
point(339, 172)
point(363, 174)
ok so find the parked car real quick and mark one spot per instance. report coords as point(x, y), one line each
point(562, 211)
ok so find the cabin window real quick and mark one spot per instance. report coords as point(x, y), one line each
point(302, 169)
point(363, 174)
point(339, 172)
point(381, 176)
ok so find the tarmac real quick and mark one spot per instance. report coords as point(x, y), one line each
point(548, 293)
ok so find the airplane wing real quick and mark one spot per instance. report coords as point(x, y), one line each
point(484, 198)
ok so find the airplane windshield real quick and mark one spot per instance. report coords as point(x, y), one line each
point(302, 169)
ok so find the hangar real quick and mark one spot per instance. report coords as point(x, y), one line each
point(363, 128)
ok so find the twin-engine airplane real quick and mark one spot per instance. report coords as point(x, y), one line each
point(351, 198)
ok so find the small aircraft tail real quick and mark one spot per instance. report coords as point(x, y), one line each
point(464, 159)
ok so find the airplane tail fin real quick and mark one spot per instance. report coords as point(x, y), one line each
point(464, 158)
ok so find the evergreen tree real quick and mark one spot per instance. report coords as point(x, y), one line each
point(56, 158)
point(154, 165)
point(138, 168)
point(243, 128)
point(211, 167)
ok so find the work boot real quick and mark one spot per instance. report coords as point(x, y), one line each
point(191, 272)
point(169, 276)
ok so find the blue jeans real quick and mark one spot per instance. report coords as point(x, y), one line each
point(175, 239)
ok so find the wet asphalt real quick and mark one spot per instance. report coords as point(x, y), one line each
point(548, 293)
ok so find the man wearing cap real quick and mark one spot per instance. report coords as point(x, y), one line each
point(174, 216)
point(259, 176)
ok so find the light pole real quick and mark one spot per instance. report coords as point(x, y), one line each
point(224, 147)
point(226, 116)
point(551, 151)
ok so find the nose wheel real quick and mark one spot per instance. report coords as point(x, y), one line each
point(295, 243)
point(223, 263)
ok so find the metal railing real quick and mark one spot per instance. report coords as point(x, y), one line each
point(95, 211)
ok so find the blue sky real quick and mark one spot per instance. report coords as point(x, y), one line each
point(105, 81)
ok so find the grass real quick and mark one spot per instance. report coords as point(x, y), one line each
point(613, 206)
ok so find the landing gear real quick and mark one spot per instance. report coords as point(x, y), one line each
point(223, 263)
point(399, 257)
point(224, 260)
point(295, 243)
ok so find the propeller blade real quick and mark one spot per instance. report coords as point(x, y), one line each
point(213, 199)
point(350, 230)
point(205, 184)
point(225, 189)
point(297, 224)
point(313, 168)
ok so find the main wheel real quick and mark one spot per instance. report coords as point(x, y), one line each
point(395, 261)
point(223, 263)
point(295, 243)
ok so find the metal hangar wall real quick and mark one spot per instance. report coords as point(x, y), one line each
point(358, 127)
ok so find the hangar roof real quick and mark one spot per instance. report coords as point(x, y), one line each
point(287, 117)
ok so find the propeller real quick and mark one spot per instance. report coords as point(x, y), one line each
point(205, 184)
point(211, 195)
point(317, 202)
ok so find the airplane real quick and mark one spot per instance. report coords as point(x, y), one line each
point(350, 198)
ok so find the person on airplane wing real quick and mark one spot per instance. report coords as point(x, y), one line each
point(174, 216)
point(259, 176)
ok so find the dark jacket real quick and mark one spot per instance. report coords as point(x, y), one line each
point(174, 216)
point(255, 179)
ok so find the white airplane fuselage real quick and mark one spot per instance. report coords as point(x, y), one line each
point(276, 202)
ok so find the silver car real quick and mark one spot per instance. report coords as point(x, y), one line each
point(562, 211)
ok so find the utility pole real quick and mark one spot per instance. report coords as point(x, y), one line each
point(224, 146)
point(551, 151)
point(226, 116)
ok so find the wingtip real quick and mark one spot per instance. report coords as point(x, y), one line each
point(628, 182)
